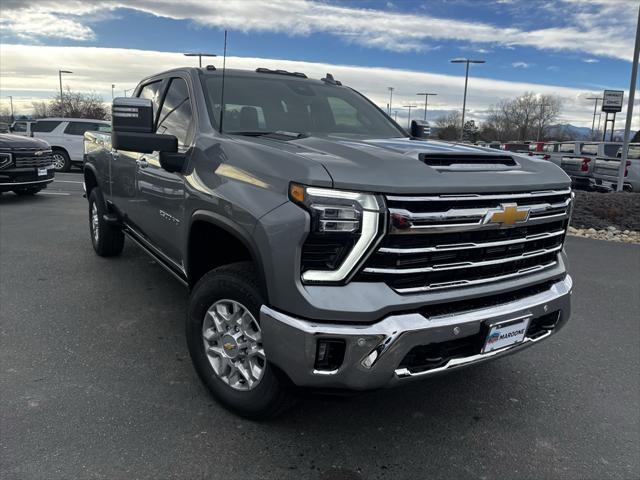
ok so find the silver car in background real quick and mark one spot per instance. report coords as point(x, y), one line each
point(606, 170)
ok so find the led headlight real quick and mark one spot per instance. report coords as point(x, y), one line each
point(5, 159)
point(344, 226)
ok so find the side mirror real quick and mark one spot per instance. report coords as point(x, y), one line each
point(420, 129)
point(132, 127)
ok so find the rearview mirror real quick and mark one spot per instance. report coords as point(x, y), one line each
point(132, 127)
point(420, 129)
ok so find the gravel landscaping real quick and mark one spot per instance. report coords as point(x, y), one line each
point(607, 216)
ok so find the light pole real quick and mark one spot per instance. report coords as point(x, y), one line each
point(466, 80)
point(200, 55)
point(60, 72)
point(395, 115)
point(112, 88)
point(426, 98)
point(409, 107)
point(595, 107)
point(390, 97)
point(11, 103)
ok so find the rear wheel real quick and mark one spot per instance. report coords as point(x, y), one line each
point(107, 239)
point(225, 343)
point(61, 161)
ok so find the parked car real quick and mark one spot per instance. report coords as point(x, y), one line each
point(577, 159)
point(66, 137)
point(606, 170)
point(26, 164)
point(22, 127)
point(323, 246)
point(514, 146)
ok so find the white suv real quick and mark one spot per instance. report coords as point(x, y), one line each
point(66, 137)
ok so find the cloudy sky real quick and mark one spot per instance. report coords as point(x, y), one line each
point(571, 48)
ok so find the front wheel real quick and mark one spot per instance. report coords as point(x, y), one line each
point(225, 343)
point(107, 239)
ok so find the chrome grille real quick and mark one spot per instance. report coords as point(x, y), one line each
point(26, 157)
point(449, 241)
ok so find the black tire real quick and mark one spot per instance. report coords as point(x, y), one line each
point(237, 282)
point(27, 191)
point(109, 239)
point(64, 157)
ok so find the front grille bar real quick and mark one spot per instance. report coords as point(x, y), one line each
point(479, 281)
point(468, 246)
point(479, 196)
point(459, 265)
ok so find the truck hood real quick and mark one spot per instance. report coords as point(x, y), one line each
point(17, 141)
point(397, 165)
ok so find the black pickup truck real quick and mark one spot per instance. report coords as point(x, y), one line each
point(26, 164)
point(325, 247)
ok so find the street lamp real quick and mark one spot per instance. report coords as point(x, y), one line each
point(409, 107)
point(595, 107)
point(112, 88)
point(390, 97)
point(200, 55)
point(60, 72)
point(466, 80)
point(11, 103)
point(426, 98)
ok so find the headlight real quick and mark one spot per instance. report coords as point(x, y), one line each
point(344, 227)
point(5, 159)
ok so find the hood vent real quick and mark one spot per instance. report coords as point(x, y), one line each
point(468, 162)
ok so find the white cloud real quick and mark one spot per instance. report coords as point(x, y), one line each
point(591, 26)
point(590, 60)
point(520, 65)
point(25, 76)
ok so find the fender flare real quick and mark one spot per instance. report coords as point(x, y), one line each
point(236, 231)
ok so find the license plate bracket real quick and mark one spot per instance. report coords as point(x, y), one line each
point(506, 333)
point(42, 172)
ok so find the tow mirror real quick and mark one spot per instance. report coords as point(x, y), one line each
point(420, 129)
point(132, 127)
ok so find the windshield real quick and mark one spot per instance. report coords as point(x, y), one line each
point(258, 104)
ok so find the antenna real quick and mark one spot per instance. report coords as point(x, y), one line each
point(224, 66)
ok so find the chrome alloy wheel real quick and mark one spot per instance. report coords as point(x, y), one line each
point(58, 161)
point(233, 344)
point(95, 223)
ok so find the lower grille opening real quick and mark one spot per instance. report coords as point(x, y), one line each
point(434, 355)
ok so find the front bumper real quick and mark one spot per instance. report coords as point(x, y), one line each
point(11, 178)
point(291, 343)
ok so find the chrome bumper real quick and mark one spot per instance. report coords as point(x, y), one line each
point(374, 352)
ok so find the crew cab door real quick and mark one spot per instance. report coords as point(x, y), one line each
point(124, 164)
point(160, 194)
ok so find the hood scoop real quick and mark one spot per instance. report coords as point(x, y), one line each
point(468, 161)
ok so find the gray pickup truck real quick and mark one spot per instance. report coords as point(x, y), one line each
point(323, 246)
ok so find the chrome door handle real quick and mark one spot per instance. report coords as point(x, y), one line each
point(142, 163)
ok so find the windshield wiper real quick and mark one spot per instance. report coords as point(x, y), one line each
point(277, 134)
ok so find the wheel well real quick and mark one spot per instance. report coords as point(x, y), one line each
point(211, 246)
point(62, 149)
point(90, 181)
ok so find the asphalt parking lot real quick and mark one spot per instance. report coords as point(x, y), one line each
point(96, 381)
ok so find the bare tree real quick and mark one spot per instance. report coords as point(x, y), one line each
point(40, 109)
point(73, 104)
point(449, 126)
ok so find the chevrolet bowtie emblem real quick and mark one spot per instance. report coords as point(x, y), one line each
point(509, 214)
point(228, 346)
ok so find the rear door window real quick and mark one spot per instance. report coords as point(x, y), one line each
point(610, 150)
point(45, 126)
point(78, 128)
point(566, 147)
point(589, 149)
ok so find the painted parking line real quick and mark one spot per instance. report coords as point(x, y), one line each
point(54, 193)
point(67, 181)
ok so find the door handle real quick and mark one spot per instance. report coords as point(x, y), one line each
point(142, 163)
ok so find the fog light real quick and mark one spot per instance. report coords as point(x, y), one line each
point(329, 354)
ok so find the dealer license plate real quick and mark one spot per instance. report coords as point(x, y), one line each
point(42, 172)
point(505, 334)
